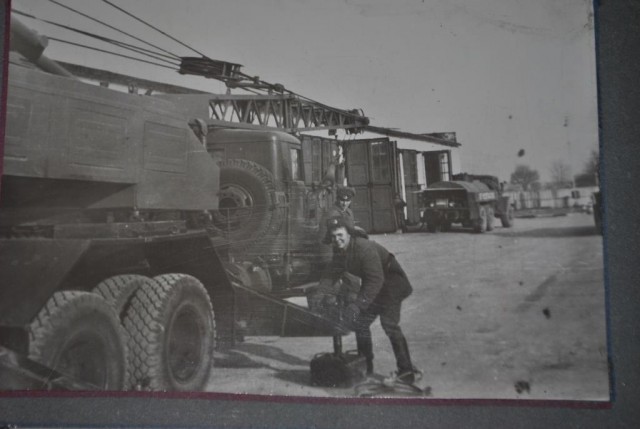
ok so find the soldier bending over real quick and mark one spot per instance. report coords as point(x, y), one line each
point(384, 285)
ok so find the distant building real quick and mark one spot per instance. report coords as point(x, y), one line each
point(564, 198)
point(420, 164)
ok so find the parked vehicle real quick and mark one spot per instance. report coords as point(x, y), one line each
point(133, 240)
point(473, 201)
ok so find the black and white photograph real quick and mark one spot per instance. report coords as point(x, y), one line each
point(304, 199)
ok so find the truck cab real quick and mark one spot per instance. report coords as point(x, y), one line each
point(263, 206)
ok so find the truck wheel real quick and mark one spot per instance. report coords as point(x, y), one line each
point(171, 334)
point(507, 218)
point(480, 224)
point(118, 290)
point(491, 216)
point(433, 227)
point(79, 334)
point(446, 226)
point(246, 203)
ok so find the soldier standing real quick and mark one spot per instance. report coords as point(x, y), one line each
point(384, 285)
point(341, 208)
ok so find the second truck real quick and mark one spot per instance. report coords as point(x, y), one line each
point(473, 201)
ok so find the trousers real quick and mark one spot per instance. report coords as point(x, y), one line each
point(388, 309)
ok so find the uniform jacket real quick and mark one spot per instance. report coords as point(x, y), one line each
point(380, 273)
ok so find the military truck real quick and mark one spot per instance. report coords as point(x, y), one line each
point(133, 239)
point(474, 201)
point(264, 208)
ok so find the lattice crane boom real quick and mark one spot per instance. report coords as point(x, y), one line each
point(286, 112)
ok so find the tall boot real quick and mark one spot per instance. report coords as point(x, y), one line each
point(403, 358)
point(365, 348)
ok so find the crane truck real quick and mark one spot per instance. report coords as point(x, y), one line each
point(134, 238)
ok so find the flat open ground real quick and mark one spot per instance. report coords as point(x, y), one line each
point(514, 313)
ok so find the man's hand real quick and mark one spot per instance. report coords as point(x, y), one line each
point(349, 288)
point(351, 313)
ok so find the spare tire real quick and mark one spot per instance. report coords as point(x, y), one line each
point(248, 206)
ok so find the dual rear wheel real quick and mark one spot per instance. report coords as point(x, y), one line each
point(133, 332)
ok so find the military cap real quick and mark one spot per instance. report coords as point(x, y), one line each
point(337, 222)
point(345, 193)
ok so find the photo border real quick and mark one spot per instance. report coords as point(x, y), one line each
point(618, 68)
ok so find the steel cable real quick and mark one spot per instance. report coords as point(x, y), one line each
point(174, 56)
point(111, 52)
point(151, 26)
point(344, 112)
point(340, 111)
point(137, 49)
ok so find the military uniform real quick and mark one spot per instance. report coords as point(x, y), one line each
point(346, 215)
point(342, 194)
point(384, 285)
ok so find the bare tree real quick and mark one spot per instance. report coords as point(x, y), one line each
point(590, 173)
point(591, 167)
point(525, 177)
point(561, 174)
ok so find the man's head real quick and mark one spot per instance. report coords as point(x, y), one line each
point(339, 233)
point(344, 197)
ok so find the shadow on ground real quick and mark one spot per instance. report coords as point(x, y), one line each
point(248, 355)
point(572, 231)
point(296, 376)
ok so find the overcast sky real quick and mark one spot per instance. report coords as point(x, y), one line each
point(504, 75)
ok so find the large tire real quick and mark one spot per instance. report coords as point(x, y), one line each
point(247, 206)
point(119, 290)
point(491, 217)
point(507, 218)
point(480, 224)
point(79, 334)
point(171, 334)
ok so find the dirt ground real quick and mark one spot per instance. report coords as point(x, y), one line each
point(515, 313)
